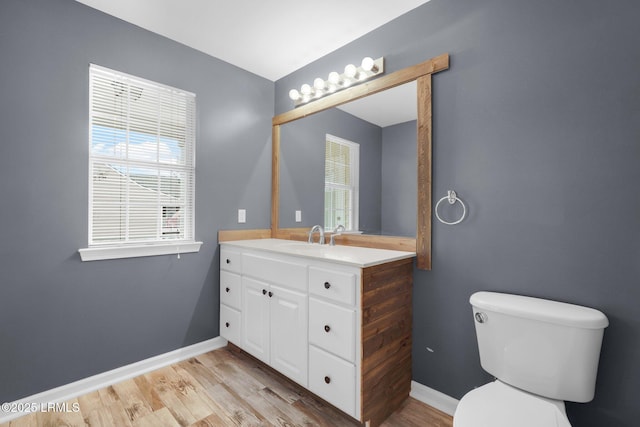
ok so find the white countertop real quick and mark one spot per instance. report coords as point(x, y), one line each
point(350, 255)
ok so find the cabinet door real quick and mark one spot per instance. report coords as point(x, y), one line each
point(333, 379)
point(230, 324)
point(289, 340)
point(335, 285)
point(230, 289)
point(230, 260)
point(332, 328)
point(255, 318)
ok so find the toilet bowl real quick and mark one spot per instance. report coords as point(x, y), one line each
point(541, 353)
point(499, 405)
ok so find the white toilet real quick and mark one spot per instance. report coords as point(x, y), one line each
point(541, 352)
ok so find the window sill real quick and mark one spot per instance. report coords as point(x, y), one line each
point(116, 252)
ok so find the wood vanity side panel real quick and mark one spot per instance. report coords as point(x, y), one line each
point(386, 339)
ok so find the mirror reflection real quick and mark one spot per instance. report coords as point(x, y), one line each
point(353, 165)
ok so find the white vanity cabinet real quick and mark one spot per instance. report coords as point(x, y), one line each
point(341, 329)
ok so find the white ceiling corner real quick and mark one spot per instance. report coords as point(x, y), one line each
point(270, 38)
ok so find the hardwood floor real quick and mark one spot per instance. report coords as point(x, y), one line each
point(220, 388)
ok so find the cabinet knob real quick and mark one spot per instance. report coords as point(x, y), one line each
point(226, 324)
point(327, 380)
point(227, 289)
point(327, 328)
point(264, 292)
point(270, 294)
point(228, 261)
point(327, 285)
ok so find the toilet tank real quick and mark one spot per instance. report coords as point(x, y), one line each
point(544, 347)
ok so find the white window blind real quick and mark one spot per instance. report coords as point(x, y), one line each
point(141, 161)
point(341, 169)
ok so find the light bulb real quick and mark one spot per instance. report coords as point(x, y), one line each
point(368, 64)
point(350, 71)
point(294, 94)
point(319, 84)
point(305, 89)
point(334, 78)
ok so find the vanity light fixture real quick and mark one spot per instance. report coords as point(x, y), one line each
point(352, 75)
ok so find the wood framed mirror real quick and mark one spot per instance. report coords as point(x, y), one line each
point(421, 74)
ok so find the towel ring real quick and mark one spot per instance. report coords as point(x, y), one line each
point(451, 197)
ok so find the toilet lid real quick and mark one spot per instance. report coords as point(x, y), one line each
point(499, 405)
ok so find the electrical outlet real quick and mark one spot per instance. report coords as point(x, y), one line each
point(298, 216)
point(242, 216)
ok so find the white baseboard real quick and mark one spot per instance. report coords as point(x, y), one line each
point(105, 379)
point(431, 397)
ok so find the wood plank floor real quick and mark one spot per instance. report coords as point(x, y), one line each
point(220, 388)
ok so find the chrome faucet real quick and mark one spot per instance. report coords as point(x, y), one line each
point(336, 232)
point(313, 230)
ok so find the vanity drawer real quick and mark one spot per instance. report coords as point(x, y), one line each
point(230, 260)
point(334, 285)
point(284, 273)
point(332, 328)
point(230, 289)
point(230, 324)
point(333, 379)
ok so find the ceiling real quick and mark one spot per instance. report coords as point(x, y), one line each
point(270, 38)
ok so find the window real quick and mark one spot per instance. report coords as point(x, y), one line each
point(341, 171)
point(141, 167)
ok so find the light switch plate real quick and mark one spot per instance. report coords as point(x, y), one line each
point(298, 216)
point(242, 216)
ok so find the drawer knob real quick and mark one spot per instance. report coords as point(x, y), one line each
point(270, 294)
point(227, 289)
point(327, 285)
point(264, 292)
point(327, 328)
point(327, 380)
point(228, 261)
point(226, 324)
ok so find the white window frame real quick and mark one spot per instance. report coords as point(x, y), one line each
point(129, 247)
point(354, 168)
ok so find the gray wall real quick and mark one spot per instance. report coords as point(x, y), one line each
point(61, 319)
point(537, 127)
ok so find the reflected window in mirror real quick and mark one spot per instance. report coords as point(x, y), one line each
point(341, 183)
